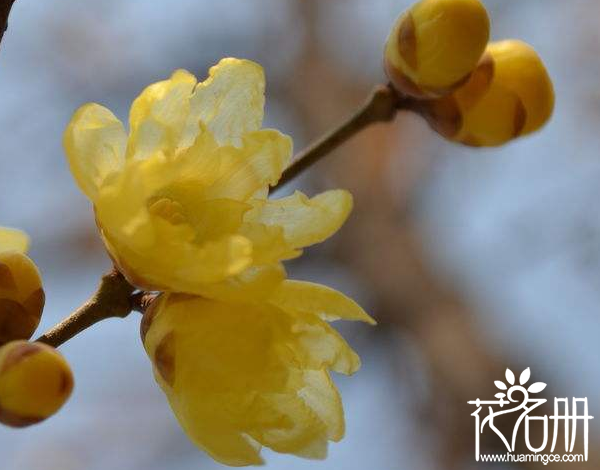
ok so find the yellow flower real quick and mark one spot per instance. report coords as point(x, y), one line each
point(435, 45)
point(35, 382)
point(510, 94)
point(242, 376)
point(181, 202)
point(21, 292)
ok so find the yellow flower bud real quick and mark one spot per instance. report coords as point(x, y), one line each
point(510, 94)
point(435, 45)
point(35, 382)
point(21, 296)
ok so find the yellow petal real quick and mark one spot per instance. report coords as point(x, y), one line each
point(158, 116)
point(253, 284)
point(95, 145)
point(305, 221)
point(327, 303)
point(221, 442)
point(171, 260)
point(269, 243)
point(321, 394)
point(13, 240)
point(300, 430)
point(217, 260)
point(322, 346)
point(258, 163)
point(230, 102)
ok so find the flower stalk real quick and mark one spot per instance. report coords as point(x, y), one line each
point(113, 298)
point(381, 106)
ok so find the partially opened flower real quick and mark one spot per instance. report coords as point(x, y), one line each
point(509, 95)
point(181, 201)
point(21, 293)
point(242, 376)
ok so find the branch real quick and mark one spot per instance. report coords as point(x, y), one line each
point(381, 106)
point(112, 299)
point(5, 6)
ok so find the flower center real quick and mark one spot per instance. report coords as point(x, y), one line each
point(167, 209)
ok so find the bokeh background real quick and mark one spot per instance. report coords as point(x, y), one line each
point(471, 260)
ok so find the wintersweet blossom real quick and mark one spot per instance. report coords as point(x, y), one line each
point(242, 376)
point(181, 200)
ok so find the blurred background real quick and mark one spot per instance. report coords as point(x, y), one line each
point(471, 260)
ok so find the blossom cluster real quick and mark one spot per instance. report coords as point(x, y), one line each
point(181, 201)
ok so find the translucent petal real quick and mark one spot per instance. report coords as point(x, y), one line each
point(95, 145)
point(223, 444)
point(13, 240)
point(305, 221)
point(291, 426)
point(230, 102)
point(158, 116)
point(254, 283)
point(170, 259)
point(258, 163)
point(269, 244)
point(321, 394)
point(327, 303)
point(322, 346)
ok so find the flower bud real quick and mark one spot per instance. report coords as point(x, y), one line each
point(435, 45)
point(510, 94)
point(35, 382)
point(21, 296)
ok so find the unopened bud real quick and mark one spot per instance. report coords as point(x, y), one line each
point(435, 45)
point(21, 296)
point(510, 94)
point(35, 382)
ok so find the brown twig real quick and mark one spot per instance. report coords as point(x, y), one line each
point(112, 299)
point(381, 106)
point(5, 6)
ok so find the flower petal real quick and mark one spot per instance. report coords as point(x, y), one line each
point(324, 398)
point(254, 283)
point(327, 303)
point(305, 221)
point(258, 163)
point(269, 244)
point(230, 102)
point(158, 116)
point(12, 239)
point(95, 145)
point(323, 347)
